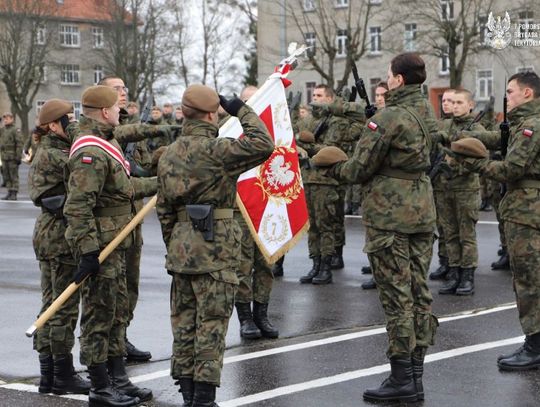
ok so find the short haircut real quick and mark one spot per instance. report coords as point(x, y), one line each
point(133, 104)
point(328, 91)
point(382, 84)
point(168, 104)
point(409, 65)
point(465, 92)
point(178, 108)
point(105, 79)
point(156, 108)
point(527, 80)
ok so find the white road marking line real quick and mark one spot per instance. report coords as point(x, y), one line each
point(481, 222)
point(356, 374)
point(30, 388)
point(2, 382)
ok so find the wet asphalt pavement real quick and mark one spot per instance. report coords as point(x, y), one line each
point(332, 340)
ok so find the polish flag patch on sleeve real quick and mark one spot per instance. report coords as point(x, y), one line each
point(373, 126)
point(528, 132)
point(86, 160)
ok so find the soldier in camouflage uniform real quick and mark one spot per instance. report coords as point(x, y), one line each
point(54, 342)
point(11, 147)
point(459, 214)
point(196, 195)
point(392, 156)
point(99, 205)
point(168, 118)
point(520, 170)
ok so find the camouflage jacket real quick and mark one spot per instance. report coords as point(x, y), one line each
point(11, 143)
point(200, 168)
point(393, 141)
point(98, 181)
point(461, 178)
point(46, 178)
point(522, 162)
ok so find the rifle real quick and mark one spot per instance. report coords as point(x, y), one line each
point(505, 133)
point(136, 169)
point(361, 89)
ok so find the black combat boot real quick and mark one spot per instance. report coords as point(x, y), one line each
point(308, 278)
point(501, 251)
point(417, 360)
point(260, 317)
point(355, 209)
point(466, 282)
point(277, 268)
point(442, 270)
point(366, 270)
point(337, 259)
point(46, 369)
point(136, 355)
point(7, 197)
point(325, 272)
point(527, 357)
point(399, 386)
point(453, 277)
point(504, 261)
point(513, 353)
point(248, 329)
point(120, 380)
point(369, 284)
point(102, 393)
point(205, 395)
point(66, 380)
point(187, 388)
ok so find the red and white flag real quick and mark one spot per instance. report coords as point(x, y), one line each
point(271, 196)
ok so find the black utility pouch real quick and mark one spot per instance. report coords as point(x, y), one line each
point(54, 205)
point(202, 219)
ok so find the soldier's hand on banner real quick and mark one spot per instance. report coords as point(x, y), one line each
point(231, 106)
point(370, 111)
point(88, 265)
point(328, 156)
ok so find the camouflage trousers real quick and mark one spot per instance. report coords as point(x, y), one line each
point(105, 311)
point(497, 197)
point(133, 271)
point(400, 263)
point(524, 250)
point(201, 306)
point(57, 335)
point(322, 201)
point(339, 228)
point(10, 170)
point(353, 195)
point(254, 273)
point(439, 197)
point(458, 217)
point(487, 188)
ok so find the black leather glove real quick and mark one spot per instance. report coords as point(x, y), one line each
point(88, 265)
point(231, 106)
point(370, 111)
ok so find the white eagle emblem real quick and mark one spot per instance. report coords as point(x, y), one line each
point(279, 174)
point(498, 36)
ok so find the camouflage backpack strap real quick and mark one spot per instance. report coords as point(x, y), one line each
point(421, 123)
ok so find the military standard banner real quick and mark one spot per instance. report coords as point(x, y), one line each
point(271, 196)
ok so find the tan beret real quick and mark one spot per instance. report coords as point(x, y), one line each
point(329, 156)
point(201, 97)
point(99, 97)
point(306, 136)
point(53, 110)
point(470, 147)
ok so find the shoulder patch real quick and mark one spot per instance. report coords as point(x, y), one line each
point(528, 132)
point(373, 126)
point(86, 159)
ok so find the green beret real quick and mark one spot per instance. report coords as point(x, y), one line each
point(99, 97)
point(53, 110)
point(470, 147)
point(329, 156)
point(201, 97)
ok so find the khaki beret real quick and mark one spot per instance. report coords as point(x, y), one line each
point(201, 97)
point(329, 156)
point(306, 136)
point(99, 97)
point(53, 110)
point(470, 147)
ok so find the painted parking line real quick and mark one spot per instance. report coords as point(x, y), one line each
point(356, 374)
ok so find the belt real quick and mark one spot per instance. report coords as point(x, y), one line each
point(524, 183)
point(218, 214)
point(113, 211)
point(395, 173)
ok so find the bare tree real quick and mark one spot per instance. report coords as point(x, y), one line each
point(25, 42)
point(181, 38)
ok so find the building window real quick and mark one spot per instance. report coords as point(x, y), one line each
point(410, 37)
point(43, 74)
point(41, 35)
point(97, 33)
point(484, 84)
point(76, 108)
point(445, 63)
point(39, 105)
point(310, 87)
point(310, 40)
point(525, 20)
point(374, 40)
point(341, 43)
point(309, 5)
point(70, 75)
point(99, 73)
point(69, 36)
point(522, 69)
point(447, 10)
point(373, 85)
point(342, 3)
